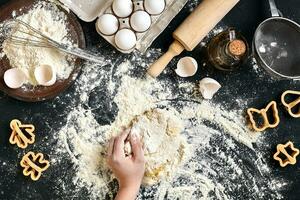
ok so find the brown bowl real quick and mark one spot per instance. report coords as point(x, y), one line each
point(40, 93)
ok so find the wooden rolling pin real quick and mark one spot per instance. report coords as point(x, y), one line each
point(194, 28)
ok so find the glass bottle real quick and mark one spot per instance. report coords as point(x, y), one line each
point(228, 50)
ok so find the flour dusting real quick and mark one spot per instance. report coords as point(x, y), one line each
point(221, 158)
point(50, 21)
point(164, 147)
point(216, 165)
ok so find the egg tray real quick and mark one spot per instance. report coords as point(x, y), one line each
point(158, 24)
point(144, 39)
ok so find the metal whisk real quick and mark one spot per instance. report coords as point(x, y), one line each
point(18, 32)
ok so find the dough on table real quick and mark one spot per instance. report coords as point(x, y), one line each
point(165, 148)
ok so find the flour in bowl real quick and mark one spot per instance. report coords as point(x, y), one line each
point(50, 21)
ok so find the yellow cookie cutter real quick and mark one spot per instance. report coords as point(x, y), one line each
point(291, 105)
point(263, 112)
point(18, 137)
point(290, 159)
point(31, 163)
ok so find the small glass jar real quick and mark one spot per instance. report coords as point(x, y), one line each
point(228, 50)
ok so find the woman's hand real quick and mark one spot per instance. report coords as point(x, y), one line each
point(129, 170)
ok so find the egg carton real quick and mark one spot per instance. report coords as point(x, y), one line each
point(93, 9)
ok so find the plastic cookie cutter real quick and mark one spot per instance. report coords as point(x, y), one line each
point(293, 104)
point(266, 121)
point(290, 155)
point(34, 165)
point(22, 134)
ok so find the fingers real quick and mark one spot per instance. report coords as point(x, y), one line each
point(136, 145)
point(118, 147)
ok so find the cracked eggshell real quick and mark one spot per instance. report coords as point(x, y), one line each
point(14, 78)
point(45, 75)
point(186, 66)
point(208, 87)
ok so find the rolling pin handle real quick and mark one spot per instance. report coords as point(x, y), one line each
point(156, 68)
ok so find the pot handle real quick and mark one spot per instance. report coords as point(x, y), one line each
point(274, 11)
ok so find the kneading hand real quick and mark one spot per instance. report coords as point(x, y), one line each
point(129, 170)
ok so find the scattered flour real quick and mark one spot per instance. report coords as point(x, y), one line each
point(164, 147)
point(48, 19)
point(221, 163)
point(255, 66)
point(259, 71)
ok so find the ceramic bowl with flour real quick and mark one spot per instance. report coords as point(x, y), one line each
point(47, 71)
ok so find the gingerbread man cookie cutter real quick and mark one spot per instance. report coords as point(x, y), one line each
point(290, 158)
point(18, 136)
point(263, 112)
point(291, 105)
point(34, 165)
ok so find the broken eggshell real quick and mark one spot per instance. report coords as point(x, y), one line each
point(186, 66)
point(14, 78)
point(45, 75)
point(208, 87)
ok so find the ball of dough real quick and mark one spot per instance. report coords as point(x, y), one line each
point(107, 24)
point(140, 21)
point(164, 146)
point(125, 39)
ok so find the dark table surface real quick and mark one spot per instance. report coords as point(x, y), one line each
point(245, 17)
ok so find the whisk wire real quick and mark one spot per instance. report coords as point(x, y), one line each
point(18, 32)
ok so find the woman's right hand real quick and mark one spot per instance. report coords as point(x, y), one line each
point(129, 170)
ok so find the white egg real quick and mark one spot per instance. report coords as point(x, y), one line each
point(186, 66)
point(45, 75)
point(122, 8)
point(14, 78)
point(140, 21)
point(208, 87)
point(107, 24)
point(154, 7)
point(125, 39)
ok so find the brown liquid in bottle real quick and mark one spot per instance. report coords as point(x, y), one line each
point(228, 50)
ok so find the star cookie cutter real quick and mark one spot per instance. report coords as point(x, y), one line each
point(291, 105)
point(263, 112)
point(18, 136)
point(34, 165)
point(290, 158)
